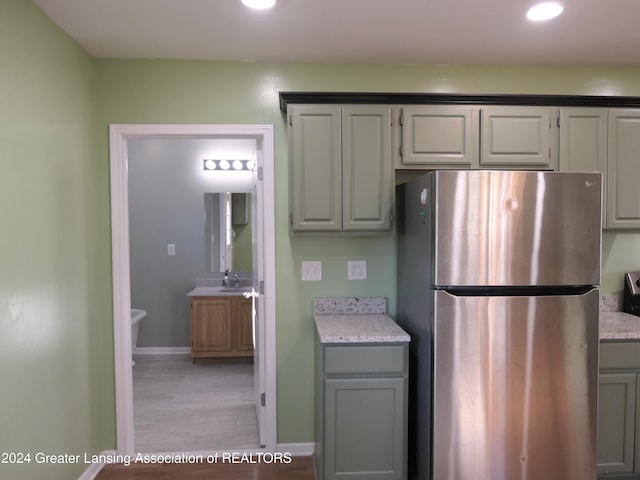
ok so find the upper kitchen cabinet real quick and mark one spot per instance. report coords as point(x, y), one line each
point(465, 136)
point(583, 139)
point(583, 143)
point(519, 137)
point(623, 170)
point(438, 137)
point(315, 159)
point(340, 168)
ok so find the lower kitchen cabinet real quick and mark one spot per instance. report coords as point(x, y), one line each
point(619, 411)
point(361, 411)
point(221, 327)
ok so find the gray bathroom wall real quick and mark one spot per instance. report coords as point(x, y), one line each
point(167, 184)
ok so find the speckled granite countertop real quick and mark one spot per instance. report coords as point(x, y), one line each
point(362, 328)
point(355, 320)
point(616, 325)
point(619, 326)
point(349, 305)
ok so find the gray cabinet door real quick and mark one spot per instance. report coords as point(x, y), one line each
point(315, 167)
point(443, 136)
point(365, 428)
point(583, 143)
point(367, 184)
point(623, 170)
point(616, 422)
point(583, 139)
point(518, 137)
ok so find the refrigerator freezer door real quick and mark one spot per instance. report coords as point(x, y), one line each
point(505, 228)
point(515, 387)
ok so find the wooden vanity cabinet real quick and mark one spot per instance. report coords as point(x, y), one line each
point(221, 327)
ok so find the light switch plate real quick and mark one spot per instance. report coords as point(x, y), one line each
point(312, 271)
point(171, 249)
point(357, 270)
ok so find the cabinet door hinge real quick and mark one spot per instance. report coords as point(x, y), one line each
point(261, 287)
point(558, 122)
point(401, 120)
point(291, 218)
point(290, 120)
point(401, 151)
point(263, 400)
point(549, 152)
point(260, 173)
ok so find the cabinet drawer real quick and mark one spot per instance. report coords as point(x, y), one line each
point(366, 359)
point(620, 355)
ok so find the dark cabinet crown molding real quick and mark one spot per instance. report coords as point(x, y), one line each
point(355, 98)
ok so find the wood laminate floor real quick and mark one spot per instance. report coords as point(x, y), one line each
point(300, 468)
point(184, 407)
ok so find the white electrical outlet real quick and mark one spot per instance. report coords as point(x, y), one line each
point(171, 249)
point(357, 270)
point(312, 271)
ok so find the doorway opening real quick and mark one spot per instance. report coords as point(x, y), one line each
point(264, 267)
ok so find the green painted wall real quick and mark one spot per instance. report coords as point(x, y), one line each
point(139, 91)
point(55, 295)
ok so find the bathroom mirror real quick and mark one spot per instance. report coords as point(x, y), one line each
point(228, 232)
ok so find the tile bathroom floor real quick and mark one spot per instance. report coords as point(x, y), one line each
point(184, 407)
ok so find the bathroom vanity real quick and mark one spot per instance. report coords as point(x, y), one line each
point(221, 323)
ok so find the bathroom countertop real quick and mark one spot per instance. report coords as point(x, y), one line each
point(359, 328)
point(619, 326)
point(218, 291)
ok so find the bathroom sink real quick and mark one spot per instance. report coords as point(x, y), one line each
point(239, 289)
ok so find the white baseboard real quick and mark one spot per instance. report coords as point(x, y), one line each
point(161, 350)
point(94, 469)
point(297, 449)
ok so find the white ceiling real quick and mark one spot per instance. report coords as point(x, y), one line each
point(589, 32)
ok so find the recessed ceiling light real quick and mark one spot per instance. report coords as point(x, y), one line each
point(259, 4)
point(544, 11)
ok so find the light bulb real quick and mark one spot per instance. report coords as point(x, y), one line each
point(259, 4)
point(544, 11)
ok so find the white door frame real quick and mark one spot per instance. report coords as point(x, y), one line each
point(118, 136)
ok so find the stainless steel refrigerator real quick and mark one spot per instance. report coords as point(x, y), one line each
point(497, 286)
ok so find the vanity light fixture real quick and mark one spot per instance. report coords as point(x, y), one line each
point(228, 165)
point(544, 11)
point(259, 4)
